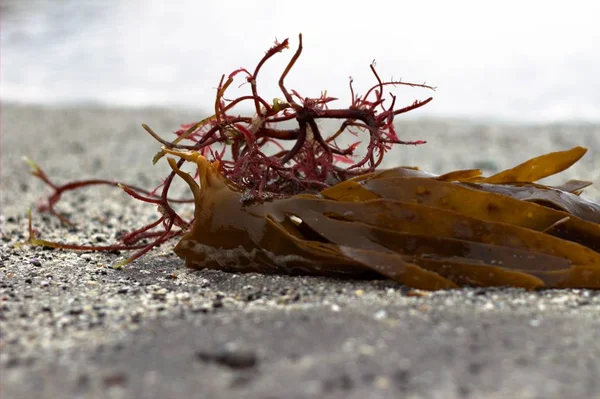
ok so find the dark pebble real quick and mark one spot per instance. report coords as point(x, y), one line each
point(115, 380)
point(35, 262)
point(296, 297)
point(16, 362)
point(474, 368)
point(12, 363)
point(83, 383)
point(237, 359)
point(341, 383)
point(402, 379)
point(119, 346)
point(136, 318)
point(95, 323)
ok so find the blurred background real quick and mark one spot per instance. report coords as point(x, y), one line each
point(522, 61)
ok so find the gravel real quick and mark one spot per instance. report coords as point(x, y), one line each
point(73, 327)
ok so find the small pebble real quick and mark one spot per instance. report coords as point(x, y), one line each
point(161, 293)
point(217, 303)
point(380, 314)
point(382, 383)
point(204, 308)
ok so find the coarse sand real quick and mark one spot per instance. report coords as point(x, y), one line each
point(73, 328)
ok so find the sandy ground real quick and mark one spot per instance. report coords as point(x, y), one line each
point(71, 327)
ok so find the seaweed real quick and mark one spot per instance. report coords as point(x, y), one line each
point(291, 200)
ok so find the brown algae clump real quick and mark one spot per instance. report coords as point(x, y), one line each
point(313, 207)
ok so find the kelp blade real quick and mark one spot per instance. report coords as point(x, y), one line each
point(538, 168)
point(423, 230)
point(487, 206)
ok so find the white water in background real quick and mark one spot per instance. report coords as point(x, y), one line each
point(512, 60)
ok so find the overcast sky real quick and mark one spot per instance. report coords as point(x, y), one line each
point(515, 60)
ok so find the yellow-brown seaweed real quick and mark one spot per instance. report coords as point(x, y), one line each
point(422, 230)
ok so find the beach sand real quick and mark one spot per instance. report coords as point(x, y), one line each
point(70, 327)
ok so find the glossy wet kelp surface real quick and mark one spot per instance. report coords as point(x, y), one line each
point(425, 231)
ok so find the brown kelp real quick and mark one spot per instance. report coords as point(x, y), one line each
point(313, 207)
